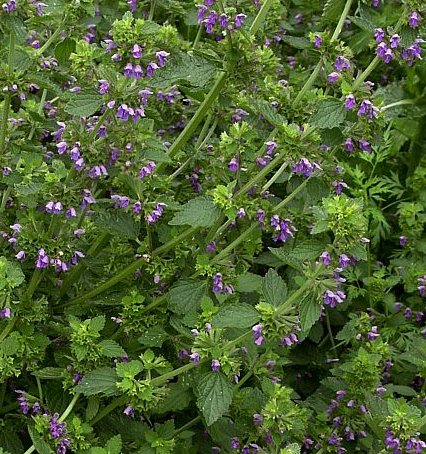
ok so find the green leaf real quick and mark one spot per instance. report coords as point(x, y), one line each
point(111, 349)
point(49, 373)
point(296, 41)
point(330, 113)
point(259, 106)
point(249, 282)
point(199, 212)
point(274, 288)
point(215, 396)
point(118, 223)
point(186, 296)
point(153, 336)
point(97, 323)
point(92, 408)
point(310, 311)
point(39, 443)
point(236, 316)
point(14, 274)
point(295, 254)
point(64, 49)
point(332, 10)
point(84, 104)
point(10, 346)
point(99, 381)
point(193, 69)
point(114, 445)
point(178, 398)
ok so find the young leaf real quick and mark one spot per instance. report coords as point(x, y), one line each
point(98, 381)
point(39, 443)
point(236, 316)
point(215, 396)
point(199, 212)
point(84, 104)
point(186, 296)
point(330, 113)
point(114, 445)
point(274, 288)
point(111, 349)
point(310, 312)
point(153, 336)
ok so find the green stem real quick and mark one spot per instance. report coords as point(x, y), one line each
point(339, 26)
point(361, 78)
point(330, 332)
point(308, 83)
point(108, 409)
point(2, 393)
point(173, 373)
point(185, 135)
point(8, 97)
point(398, 103)
point(187, 426)
point(129, 269)
point(35, 279)
point(52, 38)
point(30, 450)
point(275, 177)
point(198, 36)
point(98, 125)
point(291, 196)
point(39, 111)
point(8, 329)
point(152, 10)
point(40, 389)
point(261, 15)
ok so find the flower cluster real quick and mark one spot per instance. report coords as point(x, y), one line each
point(332, 299)
point(216, 22)
point(219, 287)
point(283, 229)
point(341, 64)
point(305, 168)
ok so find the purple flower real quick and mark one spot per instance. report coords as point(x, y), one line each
point(257, 419)
point(339, 186)
point(341, 63)
point(257, 334)
point(394, 40)
point(344, 261)
point(128, 70)
point(56, 428)
point(235, 443)
point(350, 102)
point(332, 299)
point(364, 146)
point(260, 217)
point(147, 170)
point(23, 403)
point(317, 41)
point(325, 256)
point(233, 165)
point(161, 57)
point(270, 147)
point(63, 446)
point(211, 247)
point(195, 357)
point(123, 112)
point(217, 283)
point(128, 411)
point(20, 255)
point(136, 51)
point(283, 229)
point(151, 68)
point(379, 35)
point(223, 20)
point(239, 20)
point(5, 313)
point(304, 167)
point(42, 260)
point(88, 199)
point(215, 366)
point(62, 147)
point(349, 145)
point(289, 340)
point(373, 334)
point(103, 87)
point(414, 19)
point(367, 108)
point(403, 240)
point(70, 213)
point(155, 215)
point(332, 77)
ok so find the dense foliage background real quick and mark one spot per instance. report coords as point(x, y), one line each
point(212, 226)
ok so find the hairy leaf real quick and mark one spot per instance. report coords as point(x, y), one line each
point(199, 212)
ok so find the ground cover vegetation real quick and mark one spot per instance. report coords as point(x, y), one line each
point(212, 226)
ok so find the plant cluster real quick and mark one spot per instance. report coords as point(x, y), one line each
point(212, 226)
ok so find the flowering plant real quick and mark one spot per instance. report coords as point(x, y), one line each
point(212, 226)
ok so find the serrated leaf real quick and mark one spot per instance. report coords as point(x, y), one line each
point(274, 288)
point(114, 445)
point(332, 10)
point(309, 312)
point(199, 212)
point(186, 296)
point(296, 41)
point(249, 282)
point(236, 316)
point(118, 223)
point(329, 114)
point(64, 49)
point(84, 104)
point(259, 106)
point(99, 381)
point(215, 396)
point(178, 398)
point(295, 255)
point(49, 373)
point(39, 443)
point(92, 407)
point(111, 349)
point(193, 69)
point(153, 336)
point(9, 346)
point(97, 323)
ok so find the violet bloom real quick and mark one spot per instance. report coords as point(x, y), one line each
point(339, 186)
point(326, 260)
point(289, 340)
point(61, 147)
point(239, 20)
point(403, 240)
point(151, 68)
point(5, 313)
point(217, 283)
point(344, 261)
point(350, 102)
point(304, 167)
point(257, 334)
point(233, 165)
point(70, 213)
point(332, 77)
point(147, 170)
point(379, 35)
point(211, 247)
point(235, 443)
point(373, 334)
point(63, 446)
point(349, 145)
point(270, 147)
point(155, 215)
point(42, 260)
point(317, 41)
point(161, 57)
point(128, 70)
point(88, 199)
point(394, 40)
point(260, 217)
point(23, 403)
point(257, 419)
point(332, 299)
point(136, 51)
point(103, 87)
point(215, 366)
point(195, 357)
point(56, 428)
point(341, 63)
point(414, 19)
point(283, 230)
point(128, 411)
point(137, 72)
point(364, 146)
point(422, 287)
point(20, 255)
point(223, 20)
point(123, 112)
